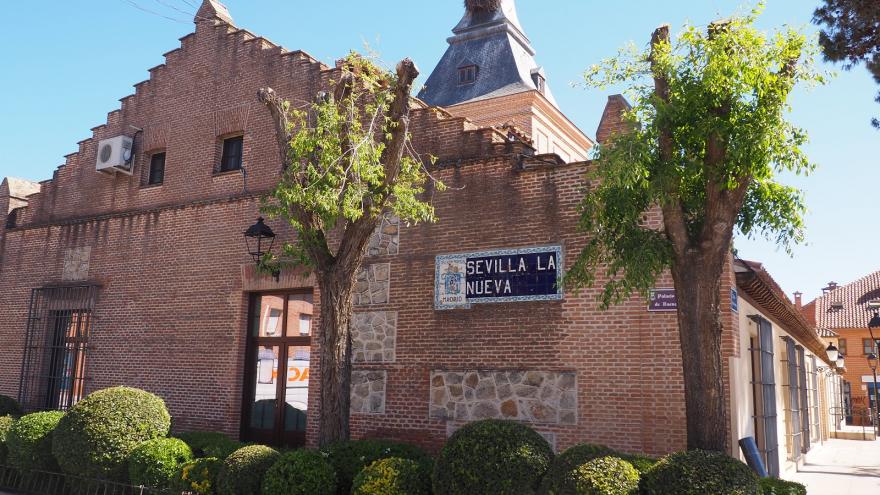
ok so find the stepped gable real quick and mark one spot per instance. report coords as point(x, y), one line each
point(489, 38)
point(210, 81)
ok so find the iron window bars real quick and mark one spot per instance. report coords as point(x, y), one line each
point(59, 322)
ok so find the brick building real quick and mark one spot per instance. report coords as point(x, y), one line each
point(138, 274)
point(842, 313)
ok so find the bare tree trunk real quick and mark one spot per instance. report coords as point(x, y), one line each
point(698, 290)
point(335, 336)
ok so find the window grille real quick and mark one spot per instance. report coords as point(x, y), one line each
point(53, 374)
point(764, 393)
point(804, 398)
point(793, 423)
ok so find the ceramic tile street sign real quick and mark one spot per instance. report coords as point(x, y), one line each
point(660, 300)
point(502, 276)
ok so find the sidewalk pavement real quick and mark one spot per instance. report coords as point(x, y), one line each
point(841, 467)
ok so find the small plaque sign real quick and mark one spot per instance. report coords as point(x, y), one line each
point(660, 300)
point(510, 275)
point(734, 300)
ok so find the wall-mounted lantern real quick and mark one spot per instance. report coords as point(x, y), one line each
point(260, 239)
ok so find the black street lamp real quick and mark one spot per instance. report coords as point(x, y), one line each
point(832, 353)
point(874, 324)
point(872, 363)
point(260, 239)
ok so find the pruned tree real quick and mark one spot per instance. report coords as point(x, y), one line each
point(708, 136)
point(347, 162)
point(851, 35)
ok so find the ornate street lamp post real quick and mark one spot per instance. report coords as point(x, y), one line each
point(875, 324)
point(260, 239)
point(872, 363)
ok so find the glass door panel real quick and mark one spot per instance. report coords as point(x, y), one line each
point(271, 313)
point(264, 407)
point(299, 315)
point(296, 392)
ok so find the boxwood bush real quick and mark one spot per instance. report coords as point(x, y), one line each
point(775, 486)
point(96, 436)
point(558, 479)
point(30, 441)
point(393, 476)
point(243, 470)
point(349, 458)
point(5, 425)
point(210, 444)
point(155, 463)
point(698, 472)
point(604, 476)
point(199, 476)
point(300, 472)
point(492, 457)
point(10, 407)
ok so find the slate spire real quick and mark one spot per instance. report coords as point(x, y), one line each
point(212, 9)
point(489, 55)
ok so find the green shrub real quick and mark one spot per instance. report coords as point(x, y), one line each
point(604, 476)
point(30, 440)
point(300, 472)
point(5, 425)
point(642, 463)
point(10, 407)
point(199, 476)
point(349, 458)
point(244, 469)
point(775, 486)
point(699, 472)
point(95, 438)
point(155, 463)
point(558, 479)
point(492, 457)
point(393, 476)
point(210, 444)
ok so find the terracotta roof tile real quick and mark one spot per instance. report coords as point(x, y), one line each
point(849, 306)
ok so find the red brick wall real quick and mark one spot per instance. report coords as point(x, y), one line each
point(172, 307)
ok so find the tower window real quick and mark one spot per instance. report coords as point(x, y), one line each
point(232, 154)
point(467, 74)
point(157, 169)
point(540, 82)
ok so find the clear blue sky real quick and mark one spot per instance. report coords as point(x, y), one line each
point(67, 63)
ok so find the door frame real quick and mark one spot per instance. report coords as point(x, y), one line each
point(277, 436)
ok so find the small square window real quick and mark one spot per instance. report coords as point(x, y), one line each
point(157, 169)
point(233, 149)
point(467, 74)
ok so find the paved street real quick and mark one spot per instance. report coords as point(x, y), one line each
point(842, 467)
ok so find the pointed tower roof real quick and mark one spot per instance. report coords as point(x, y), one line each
point(212, 9)
point(490, 39)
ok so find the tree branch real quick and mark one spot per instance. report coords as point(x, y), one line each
point(673, 213)
point(310, 224)
point(358, 233)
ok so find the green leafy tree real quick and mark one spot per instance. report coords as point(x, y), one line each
point(708, 136)
point(851, 34)
point(348, 162)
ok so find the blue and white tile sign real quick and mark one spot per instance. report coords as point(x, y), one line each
point(507, 275)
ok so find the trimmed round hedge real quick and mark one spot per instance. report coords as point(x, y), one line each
point(492, 457)
point(301, 472)
point(244, 469)
point(155, 463)
point(5, 425)
point(199, 476)
point(605, 476)
point(10, 407)
point(30, 440)
point(697, 472)
point(96, 436)
point(210, 444)
point(775, 486)
point(559, 477)
point(349, 458)
point(393, 476)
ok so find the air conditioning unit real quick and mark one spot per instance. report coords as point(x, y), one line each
point(116, 155)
